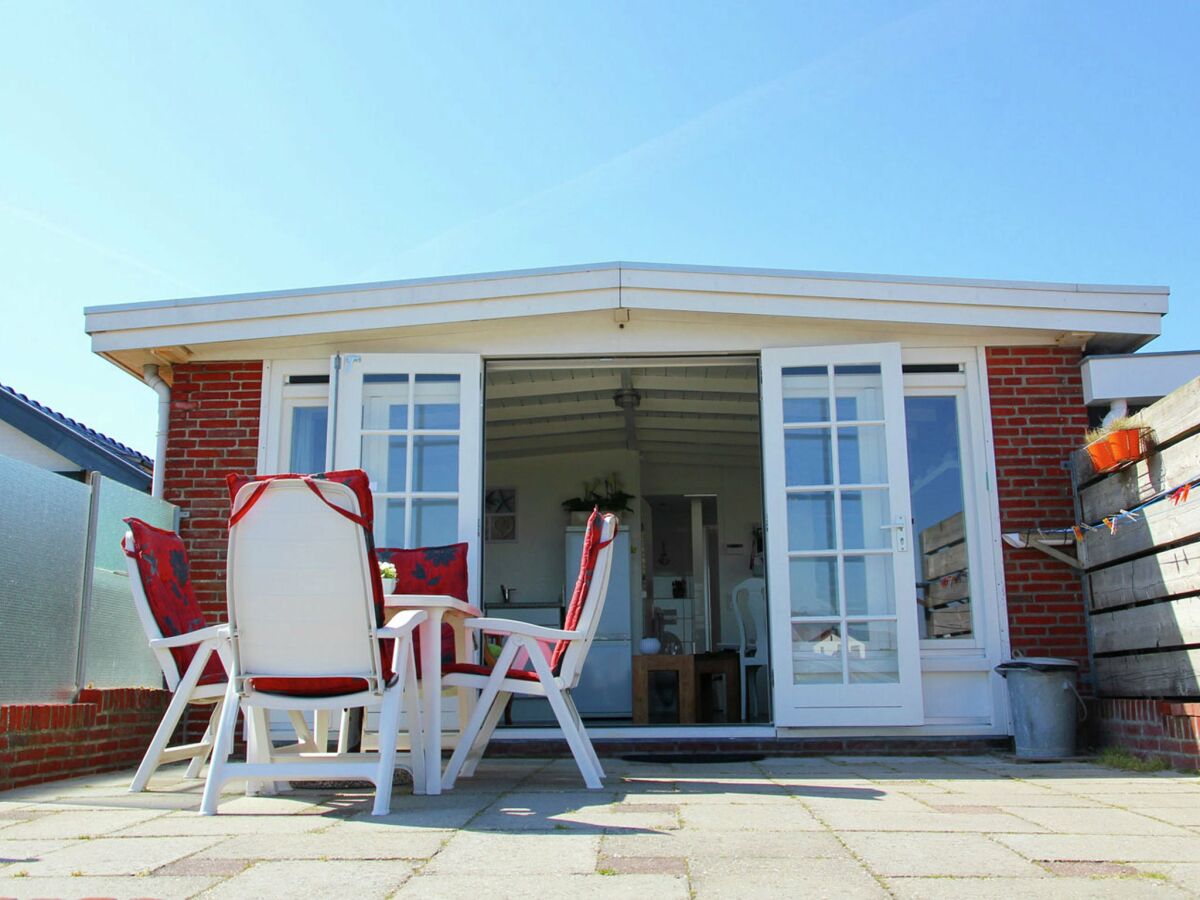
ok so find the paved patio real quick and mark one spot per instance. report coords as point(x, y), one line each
point(941, 827)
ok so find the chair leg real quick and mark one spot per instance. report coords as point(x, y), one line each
point(578, 719)
point(303, 735)
point(575, 738)
point(258, 749)
point(321, 730)
point(488, 698)
point(389, 725)
point(166, 727)
point(222, 747)
point(745, 693)
point(343, 745)
point(210, 735)
point(479, 745)
point(416, 731)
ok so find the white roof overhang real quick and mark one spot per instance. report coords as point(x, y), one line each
point(1108, 318)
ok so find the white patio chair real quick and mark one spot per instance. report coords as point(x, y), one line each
point(556, 655)
point(304, 635)
point(750, 610)
point(192, 654)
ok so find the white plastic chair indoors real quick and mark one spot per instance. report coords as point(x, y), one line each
point(750, 609)
point(303, 635)
point(557, 656)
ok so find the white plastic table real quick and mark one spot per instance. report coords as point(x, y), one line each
point(438, 606)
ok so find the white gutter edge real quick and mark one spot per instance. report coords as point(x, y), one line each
point(151, 377)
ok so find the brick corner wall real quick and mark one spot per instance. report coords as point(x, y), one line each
point(104, 730)
point(1156, 729)
point(213, 430)
point(1038, 420)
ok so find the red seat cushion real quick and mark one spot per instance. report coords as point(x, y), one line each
point(357, 481)
point(430, 570)
point(587, 568)
point(162, 564)
point(485, 671)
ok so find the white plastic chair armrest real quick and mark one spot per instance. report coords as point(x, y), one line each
point(402, 623)
point(524, 629)
point(209, 633)
point(451, 605)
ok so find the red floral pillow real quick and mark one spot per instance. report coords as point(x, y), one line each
point(357, 481)
point(430, 570)
point(162, 564)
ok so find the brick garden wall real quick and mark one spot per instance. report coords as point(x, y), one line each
point(1151, 728)
point(102, 731)
point(1038, 420)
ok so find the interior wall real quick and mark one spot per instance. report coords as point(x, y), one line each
point(534, 563)
point(739, 510)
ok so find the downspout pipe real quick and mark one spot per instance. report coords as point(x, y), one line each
point(151, 377)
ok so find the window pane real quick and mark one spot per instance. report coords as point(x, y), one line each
point(817, 653)
point(869, 586)
point(808, 457)
point(862, 455)
point(435, 463)
point(810, 521)
point(435, 401)
point(871, 648)
point(859, 391)
point(806, 394)
point(389, 523)
point(385, 401)
point(385, 460)
point(940, 547)
point(307, 452)
point(813, 583)
point(864, 513)
point(435, 522)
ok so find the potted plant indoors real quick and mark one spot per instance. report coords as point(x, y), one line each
point(605, 492)
point(387, 574)
point(1114, 444)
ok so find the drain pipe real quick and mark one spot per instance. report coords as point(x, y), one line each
point(151, 377)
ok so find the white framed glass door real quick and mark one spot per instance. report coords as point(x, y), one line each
point(840, 570)
point(413, 423)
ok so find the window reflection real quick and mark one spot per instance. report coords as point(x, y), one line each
point(936, 485)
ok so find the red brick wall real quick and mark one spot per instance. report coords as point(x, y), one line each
point(1152, 728)
point(213, 431)
point(103, 731)
point(1038, 419)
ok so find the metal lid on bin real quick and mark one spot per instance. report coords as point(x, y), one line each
point(1037, 663)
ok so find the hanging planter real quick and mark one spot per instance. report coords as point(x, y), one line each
point(1113, 448)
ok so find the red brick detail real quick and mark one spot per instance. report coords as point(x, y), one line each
point(1038, 420)
point(1152, 728)
point(104, 730)
point(214, 430)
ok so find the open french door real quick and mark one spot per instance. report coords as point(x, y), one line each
point(840, 571)
point(413, 423)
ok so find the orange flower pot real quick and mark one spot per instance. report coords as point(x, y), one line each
point(1115, 448)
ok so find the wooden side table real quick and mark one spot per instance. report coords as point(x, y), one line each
point(684, 668)
point(726, 663)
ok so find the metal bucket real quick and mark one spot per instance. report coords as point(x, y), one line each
point(1042, 695)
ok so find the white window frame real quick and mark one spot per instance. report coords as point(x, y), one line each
point(278, 400)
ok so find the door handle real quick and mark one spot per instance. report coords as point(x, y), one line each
point(899, 530)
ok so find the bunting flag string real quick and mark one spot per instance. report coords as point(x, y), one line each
point(1178, 494)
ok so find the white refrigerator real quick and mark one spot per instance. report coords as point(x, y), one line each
point(605, 688)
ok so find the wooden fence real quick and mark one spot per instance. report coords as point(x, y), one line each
point(1143, 578)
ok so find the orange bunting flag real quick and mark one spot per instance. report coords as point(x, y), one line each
point(1078, 532)
point(1181, 495)
point(1111, 522)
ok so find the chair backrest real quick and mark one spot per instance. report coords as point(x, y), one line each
point(749, 599)
point(587, 601)
point(301, 583)
point(157, 563)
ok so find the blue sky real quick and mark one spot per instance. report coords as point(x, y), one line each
point(162, 150)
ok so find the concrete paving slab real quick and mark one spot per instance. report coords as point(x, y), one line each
point(1104, 848)
point(1096, 821)
point(745, 817)
point(336, 842)
point(1030, 889)
point(704, 844)
point(553, 853)
point(472, 887)
point(192, 823)
point(70, 824)
point(164, 888)
point(911, 853)
point(115, 856)
point(1158, 800)
point(867, 820)
point(304, 879)
point(1185, 875)
point(14, 853)
point(782, 878)
point(1188, 816)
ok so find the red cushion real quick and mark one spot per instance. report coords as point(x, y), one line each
point(587, 568)
point(357, 481)
point(162, 564)
point(475, 669)
point(430, 570)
